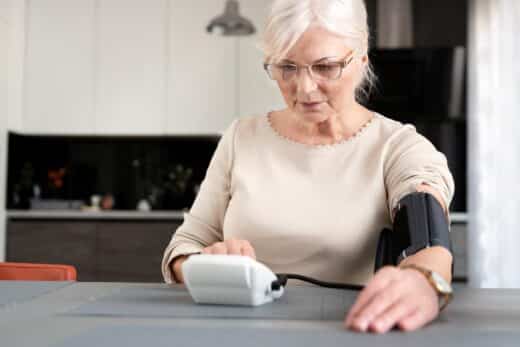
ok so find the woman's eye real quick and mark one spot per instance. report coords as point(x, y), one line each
point(288, 68)
point(323, 67)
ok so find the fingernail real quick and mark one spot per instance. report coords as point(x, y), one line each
point(379, 326)
point(362, 324)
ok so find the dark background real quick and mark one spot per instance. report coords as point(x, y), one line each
point(436, 22)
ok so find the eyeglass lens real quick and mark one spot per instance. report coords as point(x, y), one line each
point(321, 71)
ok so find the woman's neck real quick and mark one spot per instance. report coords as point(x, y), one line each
point(337, 128)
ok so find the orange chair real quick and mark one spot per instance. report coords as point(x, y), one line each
point(37, 272)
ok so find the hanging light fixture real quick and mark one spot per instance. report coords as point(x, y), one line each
point(230, 23)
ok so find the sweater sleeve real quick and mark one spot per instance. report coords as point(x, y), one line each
point(202, 225)
point(412, 160)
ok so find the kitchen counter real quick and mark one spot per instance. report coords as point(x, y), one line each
point(456, 217)
point(95, 215)
point(459, 217)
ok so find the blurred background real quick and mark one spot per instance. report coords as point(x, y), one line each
point(111, 111)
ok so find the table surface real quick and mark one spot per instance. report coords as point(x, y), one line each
point(131, 314)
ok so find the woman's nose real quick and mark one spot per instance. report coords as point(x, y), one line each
point(304, 81)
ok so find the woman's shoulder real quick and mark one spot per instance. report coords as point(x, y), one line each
point(250, 122)
point(247, 126)
point(393, 131)
point(397, 138)
point(391, 126)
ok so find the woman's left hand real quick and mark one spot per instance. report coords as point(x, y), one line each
point(394, 297)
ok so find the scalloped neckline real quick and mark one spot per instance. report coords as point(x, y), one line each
point(356, 135)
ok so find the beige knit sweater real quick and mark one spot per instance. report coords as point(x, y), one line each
point(310, 210)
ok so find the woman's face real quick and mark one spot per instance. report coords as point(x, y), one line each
point(316, 100)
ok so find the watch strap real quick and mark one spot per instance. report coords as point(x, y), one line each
point(444, 298)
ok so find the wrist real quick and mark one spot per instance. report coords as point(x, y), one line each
point(420, 277)
point(176, 268)
point(440, 286)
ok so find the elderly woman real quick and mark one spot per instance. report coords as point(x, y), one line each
point(308, 188)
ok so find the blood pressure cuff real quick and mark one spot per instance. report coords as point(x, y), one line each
point(419, 223)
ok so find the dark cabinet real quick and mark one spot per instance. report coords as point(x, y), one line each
point(131, 251)
point(54, 242)
point(128, 251)
point(125, 250)
point(459, 244)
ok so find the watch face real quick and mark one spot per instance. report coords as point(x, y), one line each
point(441, 283)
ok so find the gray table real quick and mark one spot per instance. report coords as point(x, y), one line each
point(124, 314)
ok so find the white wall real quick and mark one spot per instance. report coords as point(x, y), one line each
point(15, 54)
point(58, 67)
point(4, 10)
point(139, 67)
point(493, 128)
point(3, 121)
point(256, 93)
point(201, 87)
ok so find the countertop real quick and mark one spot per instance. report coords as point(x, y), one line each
point(93, 215)
point(456, 217)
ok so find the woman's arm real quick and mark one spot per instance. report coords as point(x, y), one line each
point(437, 258)
point(175, 268)
point(403, 298)
point(202, 226)
point(413, 163)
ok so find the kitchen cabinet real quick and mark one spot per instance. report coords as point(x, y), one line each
point(256, 93)
point(59, 71)
point(132, 251)
point(202, 72)
point(140, 67)
point(130, 66)
point(95, 67)
point(14, 42)
point(128, 250)
point(4, 14)
point(127, 67)
point(458, 235)
point(61, 242)
point(101, 250)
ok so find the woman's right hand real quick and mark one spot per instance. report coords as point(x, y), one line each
point(231, 246)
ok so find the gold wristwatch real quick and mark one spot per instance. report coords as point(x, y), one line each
point(439, 284)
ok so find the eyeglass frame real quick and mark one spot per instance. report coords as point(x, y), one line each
point(342, 64)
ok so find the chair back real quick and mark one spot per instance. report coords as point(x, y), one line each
point(37, 272)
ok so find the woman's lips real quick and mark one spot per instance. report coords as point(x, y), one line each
point(311, 105)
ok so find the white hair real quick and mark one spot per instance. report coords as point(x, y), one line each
point(289, 19)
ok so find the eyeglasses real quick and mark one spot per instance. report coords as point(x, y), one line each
point(321, 71)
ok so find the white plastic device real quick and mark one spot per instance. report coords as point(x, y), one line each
point(229, 280)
